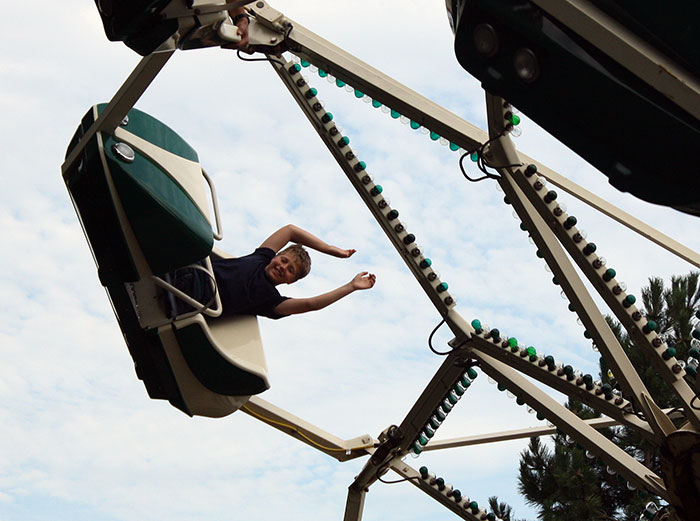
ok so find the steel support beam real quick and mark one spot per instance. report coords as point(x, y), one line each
point(342, 450)
point(388, 91)
point(460, 507)
point(354, 505)
point(517, 434)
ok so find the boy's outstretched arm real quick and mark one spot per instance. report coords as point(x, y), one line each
point(294, 306)
point(292, 233)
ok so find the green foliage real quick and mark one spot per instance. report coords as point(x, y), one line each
point(561, 481)
point(502, 510)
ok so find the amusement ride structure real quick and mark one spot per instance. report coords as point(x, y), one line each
point(147, 208)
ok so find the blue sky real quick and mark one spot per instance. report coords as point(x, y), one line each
point(79, 437)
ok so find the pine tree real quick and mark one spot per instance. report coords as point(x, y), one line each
point(502, 510)
point(562, 482)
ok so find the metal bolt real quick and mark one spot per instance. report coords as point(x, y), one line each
point(125, 121)
point(260, 5)
point(124, 152)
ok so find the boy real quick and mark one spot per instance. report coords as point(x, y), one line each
point(247, 285)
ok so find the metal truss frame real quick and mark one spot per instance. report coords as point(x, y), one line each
point(557, 239)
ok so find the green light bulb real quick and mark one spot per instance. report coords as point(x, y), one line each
point(327, 117)
point(415, 125)
point(476, 324)
point(434, 136)
point(515, 119)
point(395, 114)
point(669, 353)
point(304, 63)
point(323, 74)
point(454, 147)
point(650, 326)
point(474, 156)
point(376, 104)
point(442, 287)
point(609, 274)
point(531, 351)
point(471, 373)
point(513, 342)
point(345, 140)
point(359, 94)
point(339, 83)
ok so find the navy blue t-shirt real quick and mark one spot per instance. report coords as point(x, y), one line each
point(243, 286)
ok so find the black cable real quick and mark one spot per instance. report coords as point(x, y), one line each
point(430, 340)
point(464, 172)
point(380, 469)
point(266, 59)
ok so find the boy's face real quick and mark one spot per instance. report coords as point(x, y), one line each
point(283, 269)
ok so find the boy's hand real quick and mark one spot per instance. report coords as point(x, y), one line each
point(364, 280)
point(338, 252)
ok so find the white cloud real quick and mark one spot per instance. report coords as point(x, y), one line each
point(79, 432)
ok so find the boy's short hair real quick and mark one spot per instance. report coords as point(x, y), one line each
point(302, 257)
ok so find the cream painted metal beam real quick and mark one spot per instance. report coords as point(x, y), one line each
point(503, 152)
point(584, 434)
point(327, 130)
point(624, 218)
point(122, 102)
point(517, 434)
point(342, 450)
point(444, 379)
point(629, 50)
point(460, 507)
point(549, 234)
point(388, 91)
point(354, 505)
point(574, 388)
point(564, 419)
point(494, 437)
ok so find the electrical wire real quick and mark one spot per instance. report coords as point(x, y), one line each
point(297, 431)
point(379, 471)
point(430, 340)
point(691, 403)
point(266, 59)
point(464, 172)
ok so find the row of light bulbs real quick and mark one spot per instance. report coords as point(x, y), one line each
point(648, 327)
point(449, 491)
point(375, 191)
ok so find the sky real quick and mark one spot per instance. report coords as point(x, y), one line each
point(79, 437)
